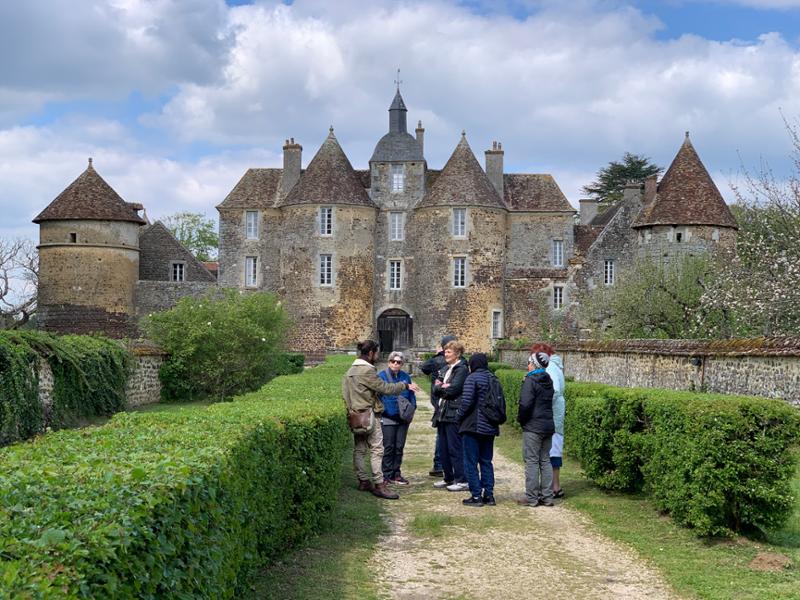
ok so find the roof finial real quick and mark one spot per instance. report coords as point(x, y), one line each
point(463, 133)
point(398, 81)
point(687, 135)
point(90, 162)
point(330, 130)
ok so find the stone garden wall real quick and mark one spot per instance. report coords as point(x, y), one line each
point(758, 367)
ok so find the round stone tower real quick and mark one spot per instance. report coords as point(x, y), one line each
point(88, 259)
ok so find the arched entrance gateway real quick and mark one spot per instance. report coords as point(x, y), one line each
point(395, 330)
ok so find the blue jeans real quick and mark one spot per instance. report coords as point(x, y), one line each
point(451, 453)
point(478, 450)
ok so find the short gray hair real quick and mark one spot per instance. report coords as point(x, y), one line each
point(398, 355)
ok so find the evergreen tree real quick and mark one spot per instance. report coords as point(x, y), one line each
point(611, 179)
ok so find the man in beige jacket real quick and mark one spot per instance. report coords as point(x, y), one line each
point(361, 387)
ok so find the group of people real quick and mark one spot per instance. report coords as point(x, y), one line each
point(465, 427)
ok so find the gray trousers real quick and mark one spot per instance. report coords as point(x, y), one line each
point(538, 470)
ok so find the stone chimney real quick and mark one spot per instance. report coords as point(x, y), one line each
point(494, 167)
point(588, 210)
point(292, 163)
point(420, 131)
point(650, 187)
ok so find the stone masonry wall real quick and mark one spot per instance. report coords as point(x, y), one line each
point(767, 368)
point(155, 296)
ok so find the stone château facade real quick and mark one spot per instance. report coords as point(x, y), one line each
point(397, 251)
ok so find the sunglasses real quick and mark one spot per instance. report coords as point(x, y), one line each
point(399, 362)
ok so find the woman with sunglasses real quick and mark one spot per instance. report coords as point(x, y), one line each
point(394, 428)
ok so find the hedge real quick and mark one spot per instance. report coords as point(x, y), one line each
point(89, 376)
point(175, 504)
point(716, 463)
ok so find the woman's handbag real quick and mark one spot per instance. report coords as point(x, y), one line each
point(361, 421)
point(405, 408)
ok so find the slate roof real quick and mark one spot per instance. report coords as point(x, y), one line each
point(462, 182)
point(329, 179)
point(585, 235)
point(534, 192)
point(397, 146)
point(686, 195)
point(603, 218)
point(258, 188)
point(89, 197)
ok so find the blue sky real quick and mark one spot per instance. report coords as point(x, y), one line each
point(175, 99)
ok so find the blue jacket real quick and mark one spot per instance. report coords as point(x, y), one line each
point(390, 408)
point(470, 418)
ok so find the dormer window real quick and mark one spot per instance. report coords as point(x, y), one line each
point(398, 178)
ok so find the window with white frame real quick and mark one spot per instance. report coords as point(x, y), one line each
point(326, 220)
point(251, 224)
point(608, 272)
point(178, 270)
point(251, 271)
point(460, 271)
point(395, 274)
point(558, 297)
point(558, 253)
point(398, 178)
point(459, 222)
point(396, 226)
point(326, 269)
point(497, 324)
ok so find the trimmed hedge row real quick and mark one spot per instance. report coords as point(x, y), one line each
point(182, 503)
point(715, 463)
point(89, 376)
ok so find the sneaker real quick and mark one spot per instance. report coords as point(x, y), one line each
point(489, 500)
point(559, 494)
point(436, 473)
point(472, 501)
point(458, 487)
point(442, 484)
point(400, 480)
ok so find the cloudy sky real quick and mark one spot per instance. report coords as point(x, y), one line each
point(175, 99)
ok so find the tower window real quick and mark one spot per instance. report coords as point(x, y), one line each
point(395, 274)
point(497, 324)
point(460, 271)
point(459, 222)
point(326, 269)
point(398, 178)
point(558, 297)
point(73, 238)
point(326, 220)
point(251, 271)
point(396, 220)
point(178, 270)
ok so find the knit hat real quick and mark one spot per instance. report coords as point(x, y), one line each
point(540, 360)
point(445, 339)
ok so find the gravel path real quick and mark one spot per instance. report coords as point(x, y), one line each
point(439, 548)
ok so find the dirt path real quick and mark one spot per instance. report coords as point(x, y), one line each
point(439, 548)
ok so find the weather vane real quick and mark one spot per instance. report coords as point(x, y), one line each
point(398, 81)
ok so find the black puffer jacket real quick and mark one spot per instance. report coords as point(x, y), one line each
point(449, 398)
point(431, 367)
point(536, 404)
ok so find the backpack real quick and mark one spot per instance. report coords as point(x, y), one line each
point(493, 404)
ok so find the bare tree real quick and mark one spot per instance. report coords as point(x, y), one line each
point(19, 276)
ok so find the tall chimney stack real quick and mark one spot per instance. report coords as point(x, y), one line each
point(292, 162)
point(420, 131)
point(588, 210)
point(494, 167)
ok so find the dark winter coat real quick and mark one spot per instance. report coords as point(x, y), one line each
point(471, 419)
point(431, 367)
point(536, 403)
point(449, 398)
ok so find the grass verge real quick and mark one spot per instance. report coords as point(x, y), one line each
point(696, 567)
point(334, 564)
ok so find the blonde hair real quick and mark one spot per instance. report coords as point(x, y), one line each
point(455, 346)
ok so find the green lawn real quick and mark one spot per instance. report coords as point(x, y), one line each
point(333, 564)
point(696, 567)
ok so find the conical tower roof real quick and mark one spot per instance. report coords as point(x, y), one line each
point(686, 195)
point(89, 197)
point(329, 179)
point(462, 182)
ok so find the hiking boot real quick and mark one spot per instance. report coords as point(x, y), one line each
point(458, 487)
point(436, 473)
point(364, 485)
point(399, 480)
point(442, 484)
point(472, 501)
point(489, 500)
point(382, 491)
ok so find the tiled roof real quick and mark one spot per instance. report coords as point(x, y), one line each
point(365, 177)
point(329, 179)
point(686, 195)
point(462, 182)
point(534, 192)
point(603, 218)
point(89, 197)
point(585, 235)
point(258, 188)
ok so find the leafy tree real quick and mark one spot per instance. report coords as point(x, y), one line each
point(656, 300)
point(196, 232)
point(611, 179)
point(222, 344)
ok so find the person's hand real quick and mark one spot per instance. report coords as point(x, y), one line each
point(413, 387)
point(445, 385)
point(437, 382)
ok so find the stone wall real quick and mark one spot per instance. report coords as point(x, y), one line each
point(761, 367)
point(155, 296)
